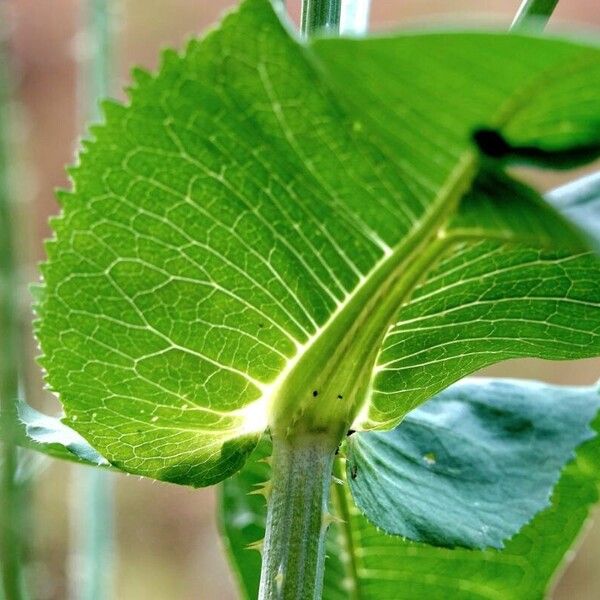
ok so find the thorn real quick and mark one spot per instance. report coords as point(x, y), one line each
point(279, 580)
point(329, 519)
point(342, 453)
point(261, 489)
point(258, 545)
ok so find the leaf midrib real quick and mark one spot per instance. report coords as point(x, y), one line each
point(357, 310)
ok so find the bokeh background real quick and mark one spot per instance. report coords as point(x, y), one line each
point(167, 545)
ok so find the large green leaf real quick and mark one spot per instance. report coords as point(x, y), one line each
point(474, 464)
point(241, 235)
point(49, 435)
point(364, 563)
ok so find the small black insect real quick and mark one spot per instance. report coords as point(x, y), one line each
point(315, 393)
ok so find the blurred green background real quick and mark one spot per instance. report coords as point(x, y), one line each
point(167, 545)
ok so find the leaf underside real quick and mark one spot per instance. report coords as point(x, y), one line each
point(580, 202)
point(473, 465)
point(364, 563)
point(48, 435)
point(222, 220)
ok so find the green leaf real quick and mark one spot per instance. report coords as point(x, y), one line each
point(51, 436)
point(536, 107)
point(484, 304)
point(490, 302)
point(364, 563)
point(241, 235)
point(473, 465)
point(580, 202)
point(500, 208)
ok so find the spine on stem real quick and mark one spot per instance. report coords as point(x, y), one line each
point(297, 518)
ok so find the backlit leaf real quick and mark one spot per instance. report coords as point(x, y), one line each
point(263, 208)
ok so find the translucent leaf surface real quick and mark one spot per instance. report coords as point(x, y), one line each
point(471, 466)
point(364, 563)
point(485, 303)
point(242, 234)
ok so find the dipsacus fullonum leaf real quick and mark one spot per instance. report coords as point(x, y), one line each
point(244, 237)
point(472, 465)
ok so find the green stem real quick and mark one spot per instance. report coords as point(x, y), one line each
point(297, 517)
point(533, 14)
point(294, 548)
point(342, 508)
point(11, 509)
point(92, 510)
point(96, 81)
point(354, 19)
point(320, 17)
point(93, 493)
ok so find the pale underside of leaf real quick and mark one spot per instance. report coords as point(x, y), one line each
point(48, 435)
point(580, 201)
point(472, 465)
